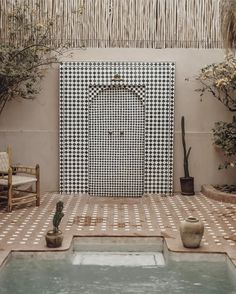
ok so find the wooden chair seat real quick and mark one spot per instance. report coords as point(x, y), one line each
point(17, 180)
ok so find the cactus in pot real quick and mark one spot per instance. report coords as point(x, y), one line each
point(186, 182)
point(54, 237)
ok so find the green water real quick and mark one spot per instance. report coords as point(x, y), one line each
point(30, 276)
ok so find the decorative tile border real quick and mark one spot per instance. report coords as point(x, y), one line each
point(82, 81)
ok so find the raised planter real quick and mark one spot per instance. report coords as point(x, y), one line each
point(210, 192)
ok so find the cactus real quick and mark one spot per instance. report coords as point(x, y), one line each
point(186, 153)
point(57, 216)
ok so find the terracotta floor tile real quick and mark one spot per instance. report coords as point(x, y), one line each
point(152, 215)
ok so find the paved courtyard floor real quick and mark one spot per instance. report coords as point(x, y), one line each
point(153, 215)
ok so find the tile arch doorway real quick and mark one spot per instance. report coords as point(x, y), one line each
point(116, 141)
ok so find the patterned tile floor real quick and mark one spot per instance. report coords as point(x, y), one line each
point(152, 215)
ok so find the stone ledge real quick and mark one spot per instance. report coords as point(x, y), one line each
point(210, 192)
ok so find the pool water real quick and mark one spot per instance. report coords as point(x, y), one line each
point(64, 277)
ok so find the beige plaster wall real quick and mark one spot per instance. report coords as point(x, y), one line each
point(31, 127)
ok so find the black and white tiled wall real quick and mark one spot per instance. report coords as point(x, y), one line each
point(116, 128)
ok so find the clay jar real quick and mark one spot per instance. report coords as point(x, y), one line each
point(191, 232)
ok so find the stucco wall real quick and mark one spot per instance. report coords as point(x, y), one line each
point(31, 127)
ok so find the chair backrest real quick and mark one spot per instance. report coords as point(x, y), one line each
point(4, 162)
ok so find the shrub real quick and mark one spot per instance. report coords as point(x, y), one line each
point(224, 136)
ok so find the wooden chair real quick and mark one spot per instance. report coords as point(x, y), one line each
point(14, 177)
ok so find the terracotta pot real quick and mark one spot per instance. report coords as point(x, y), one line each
point(187, 186)
point(191, 232)
point(54, 240)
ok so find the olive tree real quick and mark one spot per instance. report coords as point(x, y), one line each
point(26, 53)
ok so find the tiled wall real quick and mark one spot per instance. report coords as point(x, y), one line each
point(116, 128)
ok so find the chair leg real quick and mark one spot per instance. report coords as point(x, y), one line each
point(37, 185)
point(9, 198)
point(9, 204)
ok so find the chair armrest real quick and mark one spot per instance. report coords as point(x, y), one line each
point(30, 170)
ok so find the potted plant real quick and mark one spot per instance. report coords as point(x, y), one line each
point(186, 182)
point(54, 237)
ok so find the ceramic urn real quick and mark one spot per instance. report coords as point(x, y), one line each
point(191, 232)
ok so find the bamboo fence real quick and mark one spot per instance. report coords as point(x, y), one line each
point(127, 23)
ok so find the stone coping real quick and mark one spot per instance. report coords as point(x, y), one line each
point(210, 192)
point(168, 247)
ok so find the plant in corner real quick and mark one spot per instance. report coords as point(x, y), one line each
point(186, 182)
point(219, 79)
point(54, 237)
point(27, 49)
point(224, 136)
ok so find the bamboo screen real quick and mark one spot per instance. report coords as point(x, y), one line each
point(128, 23)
